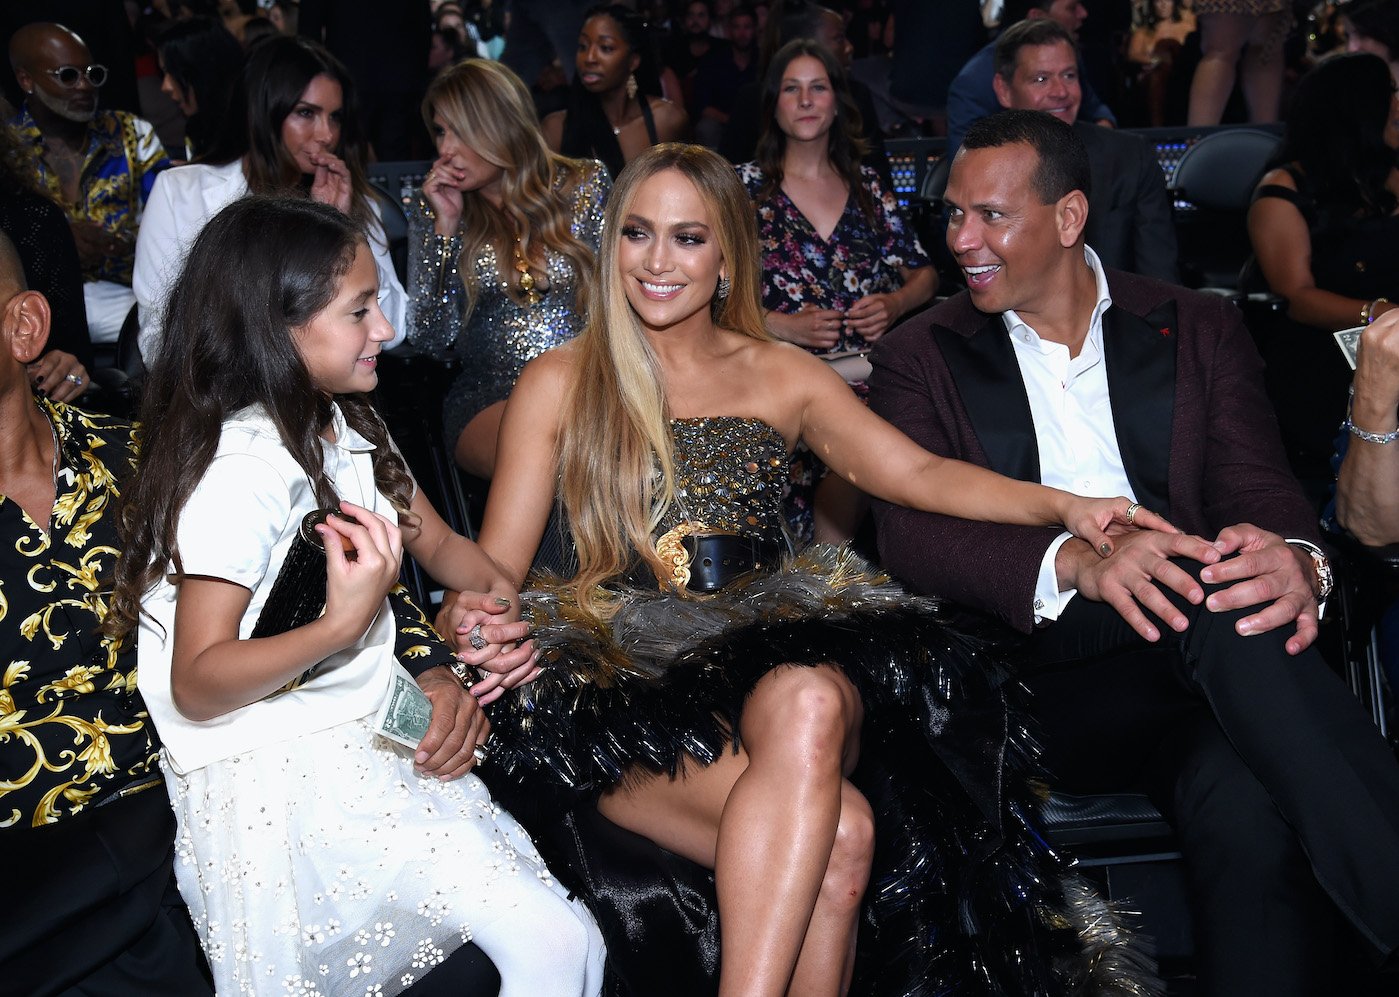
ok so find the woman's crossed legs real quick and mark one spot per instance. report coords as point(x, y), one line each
point(789, 838)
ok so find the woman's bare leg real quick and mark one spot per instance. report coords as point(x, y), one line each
point(475, 450)
point(1261, 70)
point(772, 822)
point(1222, 40)
point(828, 951)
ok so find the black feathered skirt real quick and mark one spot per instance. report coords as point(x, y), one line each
point(965, 896)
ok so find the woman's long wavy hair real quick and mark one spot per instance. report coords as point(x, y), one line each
point(491, 111)
point(262, 268)
point(846, 145)
point(1335, 133)
point(586, 130)
point(204, 59)
point(617, 473)
point(277, 73)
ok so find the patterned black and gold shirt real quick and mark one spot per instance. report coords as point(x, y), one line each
point(73, 729)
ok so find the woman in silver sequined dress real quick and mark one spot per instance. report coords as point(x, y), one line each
point(724, 722)
point(502, 240)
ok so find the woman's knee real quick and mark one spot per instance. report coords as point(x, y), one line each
point(852, 852)
point(808, 710)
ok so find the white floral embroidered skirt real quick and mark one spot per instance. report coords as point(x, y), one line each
point(325, 865)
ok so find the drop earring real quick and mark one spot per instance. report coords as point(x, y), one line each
point(722, 289)
point(631, 86)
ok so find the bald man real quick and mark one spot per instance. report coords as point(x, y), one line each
point(98, 165)
point(87, 832)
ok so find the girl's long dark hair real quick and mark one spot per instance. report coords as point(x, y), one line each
point(274, 77)
point(260, 268)
point(204, 59)
point(846, 145)
point(1335, 133)
point(587, 134)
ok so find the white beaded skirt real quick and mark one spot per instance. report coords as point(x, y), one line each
point(326, 865)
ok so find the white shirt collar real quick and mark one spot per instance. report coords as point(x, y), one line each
point(346, 438)
point(1023, 333)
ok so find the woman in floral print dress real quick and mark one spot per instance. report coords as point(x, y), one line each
point(840, 263)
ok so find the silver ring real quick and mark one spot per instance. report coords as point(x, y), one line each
point(75, 378)
point(481, 751)
point(1132, 513)
point(477, 641)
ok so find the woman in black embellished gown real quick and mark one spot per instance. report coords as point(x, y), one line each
point(837, 754)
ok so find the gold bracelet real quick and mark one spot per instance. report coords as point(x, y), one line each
point(1367, 311)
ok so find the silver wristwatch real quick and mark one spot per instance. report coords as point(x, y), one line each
point(1325, 580)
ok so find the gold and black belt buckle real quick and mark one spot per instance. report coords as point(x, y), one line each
point(703, 560)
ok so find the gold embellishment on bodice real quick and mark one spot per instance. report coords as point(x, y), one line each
point(729, 475)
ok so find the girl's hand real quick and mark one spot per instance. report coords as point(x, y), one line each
point(457, 727)
point(814, 328)
point(59, 375)
point(872, 316)
point(440, 188)
point(356, 585)
point(1095, 520)
point(468, 619)
point(331, 182)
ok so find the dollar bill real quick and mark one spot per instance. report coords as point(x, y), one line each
point(1349, 342)
point(405, 712)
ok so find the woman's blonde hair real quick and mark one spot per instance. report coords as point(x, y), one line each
point(617, 474)
point(490, 110)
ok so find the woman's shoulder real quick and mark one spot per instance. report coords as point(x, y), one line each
point(670, 117)
point(197, 176)
point(751, 174)
point(1283, 176)
point(586, 179)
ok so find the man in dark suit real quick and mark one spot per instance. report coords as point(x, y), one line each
point(1183, 661)
point(1129, 209)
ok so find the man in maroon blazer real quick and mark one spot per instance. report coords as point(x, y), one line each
point(1182, 663)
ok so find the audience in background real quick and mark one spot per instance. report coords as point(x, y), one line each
point(691, 43)
point(840, 264)
point(39, 231)
point(1130, 225)
point(931, 42)
point(301, 133)
point(98, 165)
point(199, 62)
point(1373, 26)
point(972, 94)
point(614, 110)
point(1243, 38)
point(384, 48)
point(1324, 226)
point(502, 238)
point(792, 19)
point(1155, 46)
point(722, 73)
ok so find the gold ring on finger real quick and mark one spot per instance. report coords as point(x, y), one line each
point(1132, 513)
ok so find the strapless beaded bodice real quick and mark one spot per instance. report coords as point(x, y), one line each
point(729, 472)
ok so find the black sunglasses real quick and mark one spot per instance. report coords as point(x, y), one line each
point(68, 76)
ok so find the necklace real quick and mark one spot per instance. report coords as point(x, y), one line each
point(527, 281)
point(617, 128)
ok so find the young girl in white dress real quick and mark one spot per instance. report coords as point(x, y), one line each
point(315, 856)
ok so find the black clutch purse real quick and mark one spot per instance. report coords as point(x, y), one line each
point(298, 597)
point(298, 593)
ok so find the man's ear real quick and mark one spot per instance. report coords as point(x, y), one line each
point(24, 325)
point(1002, 89)
point(1071, 215)
point(25, 81)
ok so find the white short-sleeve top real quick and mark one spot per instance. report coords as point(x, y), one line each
point(238, 525)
